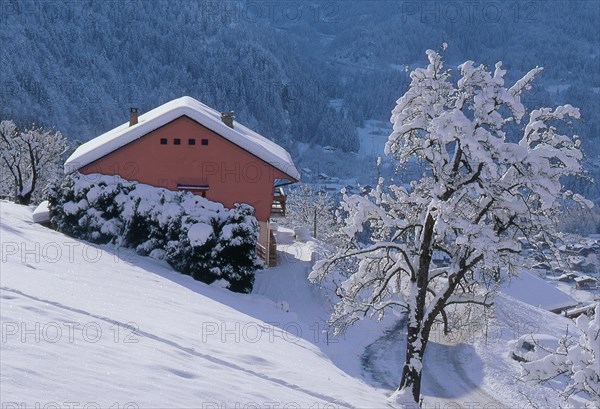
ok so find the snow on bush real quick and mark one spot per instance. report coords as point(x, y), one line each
point(199, 234)
point(41, 214)
point(575, 360)
point(196, 236)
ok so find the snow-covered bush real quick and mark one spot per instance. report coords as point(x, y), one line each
point(575, 359)
point(196, 236)
point(88, 208)
point(235, 241)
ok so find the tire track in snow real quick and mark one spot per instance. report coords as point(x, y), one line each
point(379, 351)
point(188, 350)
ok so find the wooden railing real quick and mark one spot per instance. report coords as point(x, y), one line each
point(261, 251)
point(272, 249)
point(268, 254)
point(278, 205)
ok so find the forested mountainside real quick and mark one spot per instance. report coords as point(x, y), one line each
point(80, 65)
point(295, 71)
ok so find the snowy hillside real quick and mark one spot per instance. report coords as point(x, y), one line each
point(92, 324)
point(83, 324)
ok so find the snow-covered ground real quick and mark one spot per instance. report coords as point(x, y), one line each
point(373, 136)
point(309, 307)
point(467, 369)
point(81, 323)
point(473, 368)
point(89, 324)
point(536, 291)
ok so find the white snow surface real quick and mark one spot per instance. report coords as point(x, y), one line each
point(246, 138)
point(41, 214)
point(536, 291)
point(199, 233)
point(97, 325)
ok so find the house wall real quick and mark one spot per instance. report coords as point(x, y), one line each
point(232, 174)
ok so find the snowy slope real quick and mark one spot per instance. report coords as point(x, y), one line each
point(472, 367)
point(538, 292)
point(82, 323)
point(511, 320)
point(469, 368)
point(373, 136)
point(309, 306)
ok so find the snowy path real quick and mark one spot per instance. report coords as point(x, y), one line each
point(452, 374)
point(464, 370)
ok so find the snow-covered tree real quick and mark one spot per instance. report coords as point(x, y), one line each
point(309, 207)
point(30, 160)
point(487, 182)
point(578, 359)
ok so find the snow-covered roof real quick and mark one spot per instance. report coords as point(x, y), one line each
point(584, 278)
point(536, 291)
point(244, 137)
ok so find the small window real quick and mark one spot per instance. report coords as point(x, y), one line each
point(191, 141)
point(163, 141)
point(204, 141)
point(176, 141)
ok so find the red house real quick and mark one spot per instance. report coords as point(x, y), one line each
point(186, 145)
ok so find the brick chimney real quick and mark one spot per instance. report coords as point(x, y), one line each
point(227, 118)
point(133, 116)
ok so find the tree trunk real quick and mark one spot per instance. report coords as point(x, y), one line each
point(418, 330)
point(23, 199)
point(413, 365)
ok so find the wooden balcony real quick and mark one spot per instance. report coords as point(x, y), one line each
point(278, 205)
